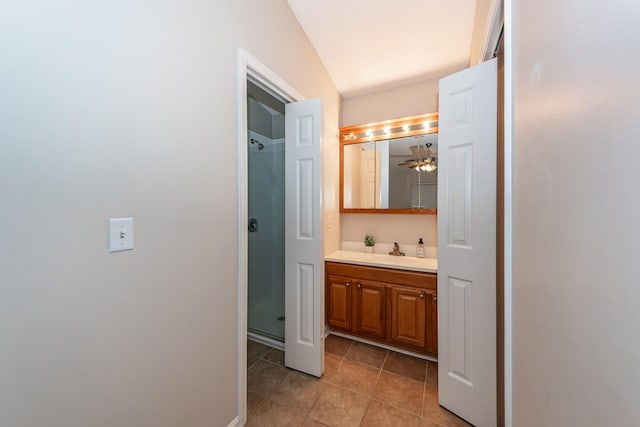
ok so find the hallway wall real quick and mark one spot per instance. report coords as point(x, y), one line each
point(128, 108)
point(576, 204)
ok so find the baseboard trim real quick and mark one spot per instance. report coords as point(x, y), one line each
point(235, 422)
point(387, 347)
point(327, 331)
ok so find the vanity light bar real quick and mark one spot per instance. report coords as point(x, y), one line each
point(397, 128)
point(390, 132)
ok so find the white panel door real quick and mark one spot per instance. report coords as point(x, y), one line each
point(467, 174)
point(304, 320)
point(370, 179)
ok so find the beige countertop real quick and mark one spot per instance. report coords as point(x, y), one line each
point(429, 265)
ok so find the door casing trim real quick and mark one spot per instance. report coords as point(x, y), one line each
point(249, 66)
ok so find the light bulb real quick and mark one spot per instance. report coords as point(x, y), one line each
point(405, 128)
point(387, 131)
point(426, 125)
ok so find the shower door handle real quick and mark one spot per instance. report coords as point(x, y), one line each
point(253, 225)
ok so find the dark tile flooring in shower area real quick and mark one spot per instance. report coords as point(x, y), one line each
point(362, 385)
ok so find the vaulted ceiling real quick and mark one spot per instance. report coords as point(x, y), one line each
point(371, 45)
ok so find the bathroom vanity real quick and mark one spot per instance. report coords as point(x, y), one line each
point(387, 167)
point(387, 299)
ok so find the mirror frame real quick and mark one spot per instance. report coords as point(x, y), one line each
point(422, 124)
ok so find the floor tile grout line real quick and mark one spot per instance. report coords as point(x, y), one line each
point(403, 376)
point(341, 387)
point(366, 365)
point(273, 363)
point(314, 405)
point(380, 372)
point(386, 352)
point(396, 407)
point(365, 412)
point(268, 352)
point(424, 389)
point(250, 414)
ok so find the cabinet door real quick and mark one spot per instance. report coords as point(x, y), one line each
point(338, 296)
point(370, 309)
point(408, 311)
point(432, 322)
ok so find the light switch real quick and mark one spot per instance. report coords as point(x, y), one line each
point(120, 234)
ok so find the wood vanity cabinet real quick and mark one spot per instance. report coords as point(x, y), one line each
point(338, 297)
point(415, 318)
point(395, 307)
point(370, 308)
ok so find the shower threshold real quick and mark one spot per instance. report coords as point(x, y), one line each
point(265, 338)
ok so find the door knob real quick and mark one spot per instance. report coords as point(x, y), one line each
point(253, 225)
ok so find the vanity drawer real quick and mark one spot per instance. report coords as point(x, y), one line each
point(379, 274)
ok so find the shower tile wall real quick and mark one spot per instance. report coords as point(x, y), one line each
point(266, 204)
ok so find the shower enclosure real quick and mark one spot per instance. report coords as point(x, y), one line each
point(266, 214)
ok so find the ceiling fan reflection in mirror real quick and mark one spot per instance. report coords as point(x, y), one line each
point(423, 159)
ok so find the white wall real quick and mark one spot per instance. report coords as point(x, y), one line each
point(390, 228)
point(125, 108)
point(576, 180)
point(408, 100)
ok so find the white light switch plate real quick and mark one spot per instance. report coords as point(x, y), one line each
point(120, 234)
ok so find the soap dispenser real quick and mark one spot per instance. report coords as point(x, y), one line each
point(420, 249)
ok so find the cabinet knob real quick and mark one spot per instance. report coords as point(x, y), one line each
point(359, 285)
point(348, 284)
point(421, 296)
point(435, 299)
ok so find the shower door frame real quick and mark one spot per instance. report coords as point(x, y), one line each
point(249, 67)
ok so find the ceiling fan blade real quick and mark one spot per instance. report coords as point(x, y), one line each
point(409, 164)
point(408, 161)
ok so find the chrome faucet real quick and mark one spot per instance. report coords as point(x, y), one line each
point(396, 250)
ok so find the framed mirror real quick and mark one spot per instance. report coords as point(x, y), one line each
point(390, 166)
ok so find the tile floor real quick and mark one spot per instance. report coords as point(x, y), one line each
point(363, 385)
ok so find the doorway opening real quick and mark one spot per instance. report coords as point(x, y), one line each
point(256, 85)
point(266, 249)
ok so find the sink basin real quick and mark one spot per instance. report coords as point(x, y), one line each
point(384, 260)
point(392, 258)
